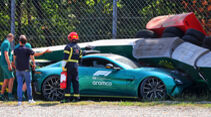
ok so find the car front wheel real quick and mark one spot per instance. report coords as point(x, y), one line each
point(51, 89)
point(153, 89)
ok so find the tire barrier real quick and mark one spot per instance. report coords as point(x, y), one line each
point(173, 32)
point(188, 53)
point(156, 52)
point(204, 67)
point(185, 57)
point(144, 33)
point(207, 42)
point(195, 33)
point(191, 39)
point(153, 48)
point(171, 53)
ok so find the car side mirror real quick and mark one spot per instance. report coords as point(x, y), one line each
point(109, 66)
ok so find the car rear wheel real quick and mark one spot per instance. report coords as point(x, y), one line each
point(153, 89)
point(51, 89)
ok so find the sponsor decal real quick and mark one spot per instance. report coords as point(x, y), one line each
point(102, 73)
point(101, 83)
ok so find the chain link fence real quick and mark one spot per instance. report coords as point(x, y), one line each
point(48, 22)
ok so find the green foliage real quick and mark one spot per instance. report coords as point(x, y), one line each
point(48, 22)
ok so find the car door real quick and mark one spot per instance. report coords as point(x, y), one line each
point(101, 81)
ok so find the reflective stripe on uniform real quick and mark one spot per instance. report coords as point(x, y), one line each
point(76, 95)
point(66, 52)
point(80, 54)
point(72, 60)
point(70, 54)
point(66, 95)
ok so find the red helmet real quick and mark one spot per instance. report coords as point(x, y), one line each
point(72, 36)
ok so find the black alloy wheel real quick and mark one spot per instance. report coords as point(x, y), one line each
point(153, 89)
point(51, 89)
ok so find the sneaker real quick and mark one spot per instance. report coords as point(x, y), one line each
point(31, 101)
point(19, 103)
point(2, 97)
point(75, 100)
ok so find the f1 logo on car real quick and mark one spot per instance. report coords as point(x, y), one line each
point(102, 73)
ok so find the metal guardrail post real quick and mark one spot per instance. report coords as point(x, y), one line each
point(114, 24)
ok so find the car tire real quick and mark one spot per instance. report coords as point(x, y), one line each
point(192, 39)
point(144, 33)
point(197, 34)
point(169, 35)
point(51, 88)
point(174, 30)
point(153, 89)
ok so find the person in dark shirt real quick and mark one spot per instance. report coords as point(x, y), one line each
point(21, 59)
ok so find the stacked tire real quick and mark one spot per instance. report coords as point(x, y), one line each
point(173, 32)
point(194, 36)
point(144, 33)
point(207, 42)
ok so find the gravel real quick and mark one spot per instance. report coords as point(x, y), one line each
point(101, 111)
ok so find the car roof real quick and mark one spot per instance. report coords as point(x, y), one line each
point(107, 55)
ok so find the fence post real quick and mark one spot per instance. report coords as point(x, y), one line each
point(12, 26)
point(114, 24)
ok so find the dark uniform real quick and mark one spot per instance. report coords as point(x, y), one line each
point(72, 55)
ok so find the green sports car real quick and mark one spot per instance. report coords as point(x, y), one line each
point(111, 75)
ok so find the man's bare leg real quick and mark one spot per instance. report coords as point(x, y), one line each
point(4, 86)
point(10, 86)
point(24, 87)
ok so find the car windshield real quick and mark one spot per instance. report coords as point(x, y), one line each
point(126, 61)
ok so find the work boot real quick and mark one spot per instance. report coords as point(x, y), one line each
point(65, 101)
point(76, 99)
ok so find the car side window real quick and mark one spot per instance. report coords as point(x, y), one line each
point(95, 62)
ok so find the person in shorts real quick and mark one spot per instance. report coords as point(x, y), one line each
point(6, 66)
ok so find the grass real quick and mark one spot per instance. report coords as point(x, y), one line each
point(203, 104)
point(200, 98)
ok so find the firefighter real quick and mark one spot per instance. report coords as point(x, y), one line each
point(72, 55)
